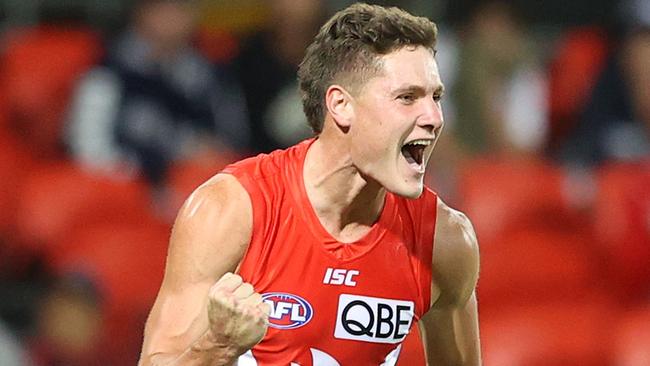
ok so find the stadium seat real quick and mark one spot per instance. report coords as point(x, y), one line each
point(499, 194)
point(126, 263)
point(15, 163)
point(569, 333)
point(622, 224)
point(532, 266)
point(632, 338)
point(40, 68)
point(59, 197)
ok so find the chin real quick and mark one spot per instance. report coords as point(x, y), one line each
point(411, 191)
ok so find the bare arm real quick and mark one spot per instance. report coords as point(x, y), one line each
point(210, 237)
point(450, 328)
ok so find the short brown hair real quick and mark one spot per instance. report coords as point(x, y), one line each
point(347, 48)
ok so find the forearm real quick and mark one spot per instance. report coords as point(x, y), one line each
point(204, 351)
point(452, 337)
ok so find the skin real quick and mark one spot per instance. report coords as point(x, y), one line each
point(348, 170)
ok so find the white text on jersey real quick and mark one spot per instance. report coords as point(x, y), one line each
point(337, 276)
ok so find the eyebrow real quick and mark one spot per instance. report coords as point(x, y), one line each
point(418, 89)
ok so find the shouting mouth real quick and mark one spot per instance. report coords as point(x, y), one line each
point(413, 152)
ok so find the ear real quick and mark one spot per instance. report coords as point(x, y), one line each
point(339, 105)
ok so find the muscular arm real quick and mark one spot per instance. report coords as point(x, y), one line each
point(210, 236)
point(450, 328)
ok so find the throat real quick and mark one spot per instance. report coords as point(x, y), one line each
point(347, 234)
point(349, 222)
point(346, 203)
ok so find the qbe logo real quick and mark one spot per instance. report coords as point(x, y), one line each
point(287, 311)
point(373, 319)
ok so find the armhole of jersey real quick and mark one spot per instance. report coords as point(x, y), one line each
point(427, 235)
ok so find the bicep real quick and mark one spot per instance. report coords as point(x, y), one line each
point(209, 238)
point(450, 327)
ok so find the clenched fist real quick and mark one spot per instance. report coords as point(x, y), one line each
point(238, 317)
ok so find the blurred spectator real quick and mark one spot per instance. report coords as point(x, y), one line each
point(267, 68)
point(11, 351)
point(578, 57)
point(69, 325)
point(615, 122)
point(499, 94)
point(495, 103)
point(155, 99)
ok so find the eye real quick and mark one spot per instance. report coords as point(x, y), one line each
point(407, 98)
point(437, 97)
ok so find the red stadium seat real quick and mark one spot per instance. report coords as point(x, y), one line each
point(59, 197)
point(15, 163)
point(527, 267)
point(40, 68)
point(567, 333)
point(622, 224)
point(501, 194)
point(126, 263)
point(632, 338)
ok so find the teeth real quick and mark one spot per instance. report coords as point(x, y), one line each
point(421, 142)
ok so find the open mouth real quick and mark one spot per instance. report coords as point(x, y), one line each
point(414, 152)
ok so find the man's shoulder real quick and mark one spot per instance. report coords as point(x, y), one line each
point(454, 230)
point(222, 190)
point(456, 255)
point(452, 220)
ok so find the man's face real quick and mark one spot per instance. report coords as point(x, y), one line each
point(397, 120)
point(171, 23)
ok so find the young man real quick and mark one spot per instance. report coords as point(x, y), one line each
point(338, 246)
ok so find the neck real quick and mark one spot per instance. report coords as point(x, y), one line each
point(346, 203)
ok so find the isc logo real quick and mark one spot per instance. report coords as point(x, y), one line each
point(336, 276)
point(287, 311)
point(373, 319)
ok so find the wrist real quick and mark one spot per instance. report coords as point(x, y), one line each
point(216, 349)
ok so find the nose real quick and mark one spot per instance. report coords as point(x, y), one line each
point(431, 117)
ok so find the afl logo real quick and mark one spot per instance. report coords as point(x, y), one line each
point(287, 311)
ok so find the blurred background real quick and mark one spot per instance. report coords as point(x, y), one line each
point(112, 112)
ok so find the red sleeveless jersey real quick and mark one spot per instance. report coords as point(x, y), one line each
point(332, 303)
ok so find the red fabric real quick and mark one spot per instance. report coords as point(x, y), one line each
point(290, 253)
point(412, 352)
